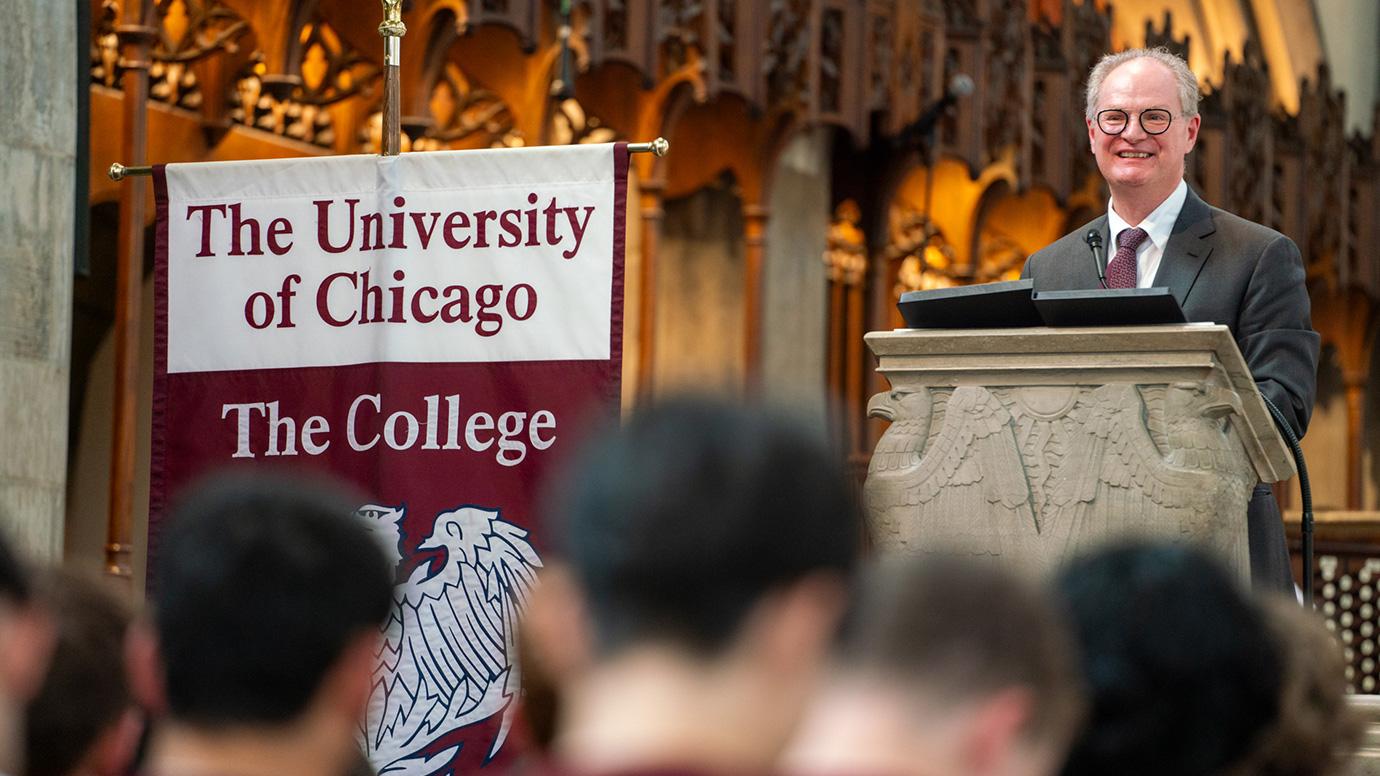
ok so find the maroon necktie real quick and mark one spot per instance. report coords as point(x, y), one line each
point(1121, 270)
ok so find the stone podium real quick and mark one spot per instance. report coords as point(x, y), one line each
point(1031, 445)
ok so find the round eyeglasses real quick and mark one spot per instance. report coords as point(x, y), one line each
point(1154, 121)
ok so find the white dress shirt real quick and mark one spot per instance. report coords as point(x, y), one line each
point(1158, 226)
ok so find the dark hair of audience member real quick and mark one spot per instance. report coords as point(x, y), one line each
point(1317, 731)
point(261, 584)
point(1182, 672)
point(85, 692)
point(961, 629)
point(681, 521)
point(14, 576)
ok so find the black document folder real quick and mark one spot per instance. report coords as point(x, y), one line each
point(1003, 305)
point(1014, 303)
point(1109, 307)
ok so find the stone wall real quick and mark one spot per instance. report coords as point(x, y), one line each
point(38, 135)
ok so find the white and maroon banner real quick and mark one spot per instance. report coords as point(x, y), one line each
point(431, 327)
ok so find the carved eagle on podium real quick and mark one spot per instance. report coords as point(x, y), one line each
point(960, 487)
point(1120, 481)
point(448, 655)
point(953, 471)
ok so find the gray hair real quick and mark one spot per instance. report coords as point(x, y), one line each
point(1187, 81)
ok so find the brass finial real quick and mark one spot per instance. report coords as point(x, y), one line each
point(392, 25)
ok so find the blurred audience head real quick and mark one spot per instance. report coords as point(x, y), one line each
point(1182, 671)
point(946, 667)
point(267, 602)
point(706, 549)
point(26, 637)
point(83, 720)
point(1317, 730)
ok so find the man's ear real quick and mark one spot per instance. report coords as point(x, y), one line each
point(26, 644)
point(556, 627)
point(144, 667)
point(1194, 124)
point(1092, 135)
point(994, 733)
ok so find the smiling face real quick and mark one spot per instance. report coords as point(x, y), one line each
point(1135, 164)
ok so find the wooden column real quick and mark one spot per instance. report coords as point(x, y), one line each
point(1355, 410)
point(653, 215)
point(834, 376)
point(855, 397)
point(136, 39)
point(755, 243)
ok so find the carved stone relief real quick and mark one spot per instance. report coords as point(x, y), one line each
point(1036, 474)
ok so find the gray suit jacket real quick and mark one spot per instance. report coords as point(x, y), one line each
point(1224, 269)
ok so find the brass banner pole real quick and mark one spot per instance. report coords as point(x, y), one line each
point(118, 172)
point(392, 29)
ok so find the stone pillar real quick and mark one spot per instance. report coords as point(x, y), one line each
point(38, 55)
point(795, 283)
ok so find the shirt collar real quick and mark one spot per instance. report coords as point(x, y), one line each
point(1159, 224)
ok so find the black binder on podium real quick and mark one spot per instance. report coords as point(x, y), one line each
point(1015, 303)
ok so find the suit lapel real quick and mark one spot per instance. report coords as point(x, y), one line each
point(1188, 248)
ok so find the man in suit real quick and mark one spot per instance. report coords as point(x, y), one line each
point(1142, 118)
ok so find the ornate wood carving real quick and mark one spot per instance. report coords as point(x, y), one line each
point(1164, 36)
point(1048, 100)
point(257, 104)
point(571, 124)
point(1006, 95)
point(464, 116)
point(1321, 121)
point(787, 53)
point(616, 36)
point(1087, 36)
point(880, 59)
point(188, 31)
point(680, 25)
point(1245, 98)
point(105, 45)
point(832, 42)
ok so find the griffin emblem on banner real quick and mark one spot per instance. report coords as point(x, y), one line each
point(447, 657)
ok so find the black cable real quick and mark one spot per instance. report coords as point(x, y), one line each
point(1306, 492)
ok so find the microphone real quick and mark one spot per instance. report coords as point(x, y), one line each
point(959, 86)
point(1094, 240)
